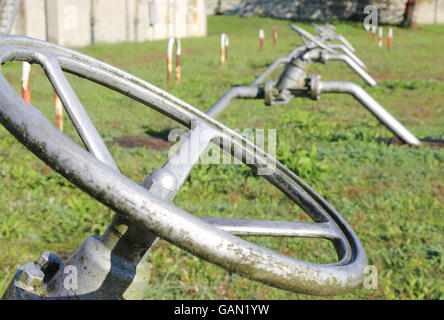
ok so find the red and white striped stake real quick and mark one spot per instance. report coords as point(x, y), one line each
point(224, 43)
point(373, 33)
point(26, 87)
point(261, 40)
point(170, 59)
point(58, 112)
point(380, 37)
point(367, 30)
point(389, 39)
point(227, 44)
point(178, 54)
point(275, 35)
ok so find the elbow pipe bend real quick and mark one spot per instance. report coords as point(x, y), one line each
point(372, 105)
point(361, 72)
point(346, 43)
point(349, 53)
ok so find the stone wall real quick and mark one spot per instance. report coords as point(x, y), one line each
point(390, 11)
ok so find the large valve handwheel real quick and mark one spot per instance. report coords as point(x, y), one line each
point(213, 239)
point(310, 40)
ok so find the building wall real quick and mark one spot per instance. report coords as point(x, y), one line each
point(30, 13)
point(82, 22)
point(390, 11)
point(431, 11)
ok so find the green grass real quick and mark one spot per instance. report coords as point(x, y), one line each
point(392, 196)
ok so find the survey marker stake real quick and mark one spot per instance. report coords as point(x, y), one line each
point(170, 59)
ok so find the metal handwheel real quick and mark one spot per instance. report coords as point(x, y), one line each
point(307, 38)
point(148, 207)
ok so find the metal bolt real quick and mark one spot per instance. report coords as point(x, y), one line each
point(30, 275)
point(48, 263)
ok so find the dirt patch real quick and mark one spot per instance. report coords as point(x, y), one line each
point(155, 143)
point(433, 143)
point(419, 75)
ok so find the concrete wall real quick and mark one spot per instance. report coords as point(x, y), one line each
point(431, 11)
point(68, 22)
point(389, 11)
point(30, 14)
point(83, 22)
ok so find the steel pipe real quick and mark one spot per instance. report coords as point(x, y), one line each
point(348, 53)
point(356, 68)
point(345, 42)
point(371, 104)
point(234, 93)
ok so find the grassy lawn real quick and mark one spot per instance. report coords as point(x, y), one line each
point(391, 195)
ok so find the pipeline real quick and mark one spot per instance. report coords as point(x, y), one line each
point(372, 105)
point(348, 53)
point(234, 93)
point(346, 43)
point(342, 57)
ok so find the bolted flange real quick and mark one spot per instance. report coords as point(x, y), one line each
point(315, 86)
point(270, 93)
